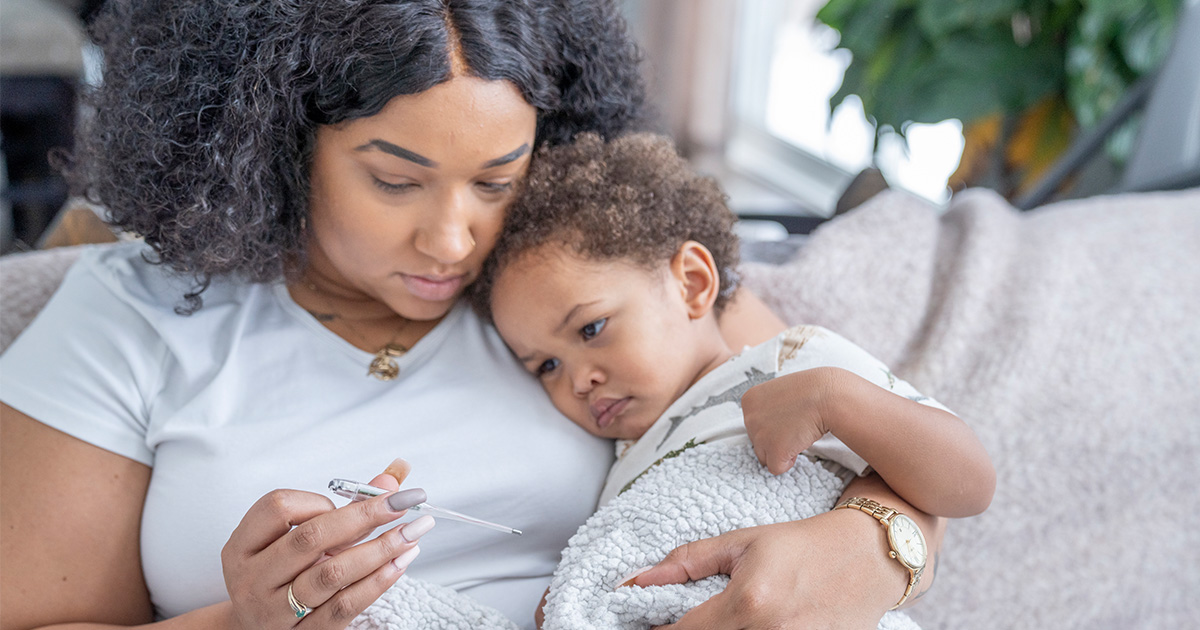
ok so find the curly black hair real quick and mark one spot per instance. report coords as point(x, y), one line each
point(632, 198)
point(201, 136)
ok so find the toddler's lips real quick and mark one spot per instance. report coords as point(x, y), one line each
point(605, 410)
point(433, 288)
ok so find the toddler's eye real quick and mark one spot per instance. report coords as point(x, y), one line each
point(589, 331)
point(547, 366)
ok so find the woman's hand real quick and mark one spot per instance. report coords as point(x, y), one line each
point(828, 571)
point(296, 539)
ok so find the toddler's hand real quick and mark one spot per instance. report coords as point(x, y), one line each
point(786, 415)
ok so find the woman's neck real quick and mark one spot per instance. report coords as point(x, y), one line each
point(365, 322)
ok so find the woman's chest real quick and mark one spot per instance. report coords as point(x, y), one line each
point(487, 445)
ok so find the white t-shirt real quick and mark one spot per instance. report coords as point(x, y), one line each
point(251, 393)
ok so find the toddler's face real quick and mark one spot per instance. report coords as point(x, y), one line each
point(611, 342)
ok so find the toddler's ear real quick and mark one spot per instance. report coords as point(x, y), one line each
point(699, 281)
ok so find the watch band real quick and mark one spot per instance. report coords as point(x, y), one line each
point(884, 514)
point(870, 506)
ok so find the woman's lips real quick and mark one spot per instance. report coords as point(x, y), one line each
point(433, 288)
point(605, 410)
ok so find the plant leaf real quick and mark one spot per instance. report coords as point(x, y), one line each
point(1095, 82)
point(863, 24)
point(939, 18)
point(1146, 38)
point(967, 76)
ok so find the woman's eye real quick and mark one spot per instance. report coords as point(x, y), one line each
point(589, 331)
point(392, 188)
point(547, 366)
point(496, 187)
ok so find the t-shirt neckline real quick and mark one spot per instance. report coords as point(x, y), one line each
point(425, 345)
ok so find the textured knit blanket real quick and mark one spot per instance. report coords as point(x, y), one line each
point(1069, 339)
point(704, 492)
point(417, 605)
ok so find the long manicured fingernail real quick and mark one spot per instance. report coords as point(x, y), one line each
point(398, 469)
point(412, 532)
point(403, 560)
point(632, 575)
point(405, 499)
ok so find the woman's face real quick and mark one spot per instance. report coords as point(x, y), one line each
point(406, 204)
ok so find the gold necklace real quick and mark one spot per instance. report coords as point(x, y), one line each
point(383, 365)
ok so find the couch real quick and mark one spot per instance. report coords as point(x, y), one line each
point(1068, 337)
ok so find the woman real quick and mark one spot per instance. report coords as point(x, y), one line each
point(317, 183)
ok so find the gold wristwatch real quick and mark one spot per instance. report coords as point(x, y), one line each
point(903, 536)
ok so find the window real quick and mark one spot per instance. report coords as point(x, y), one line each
point(786, 66)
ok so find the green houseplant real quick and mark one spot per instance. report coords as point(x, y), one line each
point(1024, 76)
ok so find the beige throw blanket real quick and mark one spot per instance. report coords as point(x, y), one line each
point(1069, 338)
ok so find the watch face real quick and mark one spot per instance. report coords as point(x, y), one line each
point(907, 540)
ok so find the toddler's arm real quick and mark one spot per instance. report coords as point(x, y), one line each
point(930, 457)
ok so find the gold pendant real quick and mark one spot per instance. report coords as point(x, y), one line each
point(383, 366)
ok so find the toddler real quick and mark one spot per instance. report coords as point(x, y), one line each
point(607, 283)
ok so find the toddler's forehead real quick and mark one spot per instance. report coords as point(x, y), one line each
point(557, 270)
point(554, 256)
point(563, 260)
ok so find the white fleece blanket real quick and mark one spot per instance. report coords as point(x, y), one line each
point(705, 491)
point(417, 605)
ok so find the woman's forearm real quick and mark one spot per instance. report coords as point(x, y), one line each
point(215, 617)
point(932, 527)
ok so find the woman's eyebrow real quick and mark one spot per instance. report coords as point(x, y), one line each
point(416, 158)
point(505, 159)
point(400, 152)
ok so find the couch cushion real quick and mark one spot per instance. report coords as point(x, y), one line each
point(26, 283)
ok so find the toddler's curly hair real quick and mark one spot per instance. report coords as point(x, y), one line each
point(632, 198)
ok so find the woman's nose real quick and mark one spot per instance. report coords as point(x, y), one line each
point(447, 236)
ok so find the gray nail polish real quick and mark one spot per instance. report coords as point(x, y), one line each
point(405, 499)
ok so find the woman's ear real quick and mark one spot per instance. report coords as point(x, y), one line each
point(696, 273)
